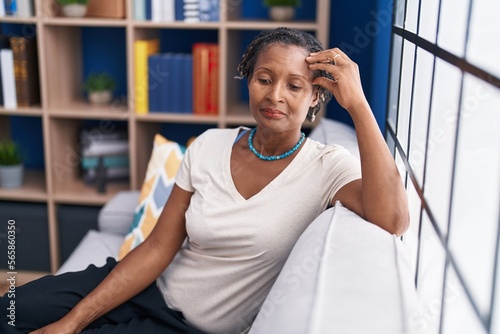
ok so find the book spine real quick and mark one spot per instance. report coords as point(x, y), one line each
point(2, 8)
point(176, 81)
point(140, 10)
point(214, 11)
point(213, 80)
point(8, 81)
point(167, 95)
point(10, 7)
point(154, 83)
point(200, 78)
point(168, 11)
point(25, 71)
point(157, 10)
point(188, 83)
point(204, 10)
point(179, 10)
point(142, 49)
point(149, 9)
point(191, 9)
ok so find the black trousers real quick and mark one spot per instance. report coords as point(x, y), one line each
point(49, 298)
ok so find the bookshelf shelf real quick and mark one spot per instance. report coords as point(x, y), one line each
point(77, 192)
point(22, 111)
point(71, 48)
point(177, 117)
point(33, 190)
point(84, 22)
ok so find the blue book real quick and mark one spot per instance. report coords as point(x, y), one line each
point(10, 7)
point(188, 83)
point(179, 10)
point(140, 10)
point(214, 10)
point(167, 73)
point(149, 13)
point(176, 83)
point(155, 80)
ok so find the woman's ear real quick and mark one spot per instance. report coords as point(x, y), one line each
point(316, 96)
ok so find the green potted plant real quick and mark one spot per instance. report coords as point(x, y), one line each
point(282, 10)
point(11, 165)
point(73, 8)
point(99, 87)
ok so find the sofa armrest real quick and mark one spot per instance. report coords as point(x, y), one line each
point(118, 213)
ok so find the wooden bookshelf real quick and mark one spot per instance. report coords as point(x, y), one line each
point(63, 109)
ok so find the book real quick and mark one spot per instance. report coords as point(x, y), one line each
point(191, 11)
point(149, 15)
point(157, 10)
point(213, 80)
point(205, 78)
point(8, 80)
point(179, 11)
point(168, 14)
point(26, 70)
point(4, 44)
point(25, 8)
point(155, 82)
point(209, 10)
point(142, 50)
point(108, 161)
point(176, 84)
point(10, 7)
point(167, 95)
point(188, 83)
point(2, 8)
point(140, 10)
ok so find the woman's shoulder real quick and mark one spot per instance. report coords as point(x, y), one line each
point(323, 149)
point(220, 133)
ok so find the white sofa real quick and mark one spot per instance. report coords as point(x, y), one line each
point(344, 275)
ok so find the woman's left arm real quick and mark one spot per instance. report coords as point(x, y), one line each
point(379, 196)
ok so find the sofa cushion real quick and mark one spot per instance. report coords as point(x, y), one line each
point(117, 214)
point(344, 275)
point(160, 177)
point(94, 248)
point(329, 131)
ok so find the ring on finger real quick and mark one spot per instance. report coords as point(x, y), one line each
point(337, 55)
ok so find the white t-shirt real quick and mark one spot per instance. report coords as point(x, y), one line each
point(236, 247)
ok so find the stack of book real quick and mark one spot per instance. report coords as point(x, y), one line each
point(170, 82)
point(20, 8)
point(104, 156)
point(19, 84)
point(176, 10)
point(176, 82)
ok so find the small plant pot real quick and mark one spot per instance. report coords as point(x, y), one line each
point(74, 10)
point(102, 97)
point(11, 176)
point(282, 13)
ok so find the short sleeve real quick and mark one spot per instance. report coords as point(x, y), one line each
point(339, 168)
point(184, 177)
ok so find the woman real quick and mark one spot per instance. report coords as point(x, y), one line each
point(242, 198)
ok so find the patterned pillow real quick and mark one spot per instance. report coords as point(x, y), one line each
point(160, 176)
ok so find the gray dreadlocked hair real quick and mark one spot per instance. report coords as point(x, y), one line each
point(285, 36)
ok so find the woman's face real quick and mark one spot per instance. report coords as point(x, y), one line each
point(281, 89)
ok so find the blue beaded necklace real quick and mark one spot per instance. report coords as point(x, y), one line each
point(273, 157)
